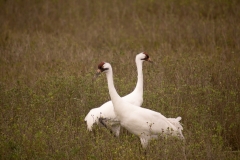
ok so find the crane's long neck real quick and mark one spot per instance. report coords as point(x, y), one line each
point(139, 86)
point(112, 91)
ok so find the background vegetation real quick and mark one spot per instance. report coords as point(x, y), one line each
point(49, 52)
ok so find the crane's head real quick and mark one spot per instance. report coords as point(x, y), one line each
point(103, 67)
point(143, 57)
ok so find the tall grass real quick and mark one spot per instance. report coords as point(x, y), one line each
point(49, 51)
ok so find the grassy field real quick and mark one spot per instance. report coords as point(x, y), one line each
point(49, 52)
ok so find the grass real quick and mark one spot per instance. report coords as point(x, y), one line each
point(49, 52)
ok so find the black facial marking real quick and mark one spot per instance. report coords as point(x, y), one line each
point(100, 66)
point(146, 57)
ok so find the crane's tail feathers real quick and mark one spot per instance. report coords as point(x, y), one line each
point(178, 125)
point(178, 118)
point(176, 122)
point(89, 121)
point(92, 118)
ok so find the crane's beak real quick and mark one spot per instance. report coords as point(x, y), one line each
point(97, 74)
point(149, 60)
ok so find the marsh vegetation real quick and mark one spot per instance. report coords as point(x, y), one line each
point(49, 52)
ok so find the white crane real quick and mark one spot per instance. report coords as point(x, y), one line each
point(145, 123)
point(106, 110)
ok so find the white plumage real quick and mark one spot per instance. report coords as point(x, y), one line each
point(106, 110)
point(145, 123)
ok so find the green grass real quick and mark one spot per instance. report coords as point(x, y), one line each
point(49, 52)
